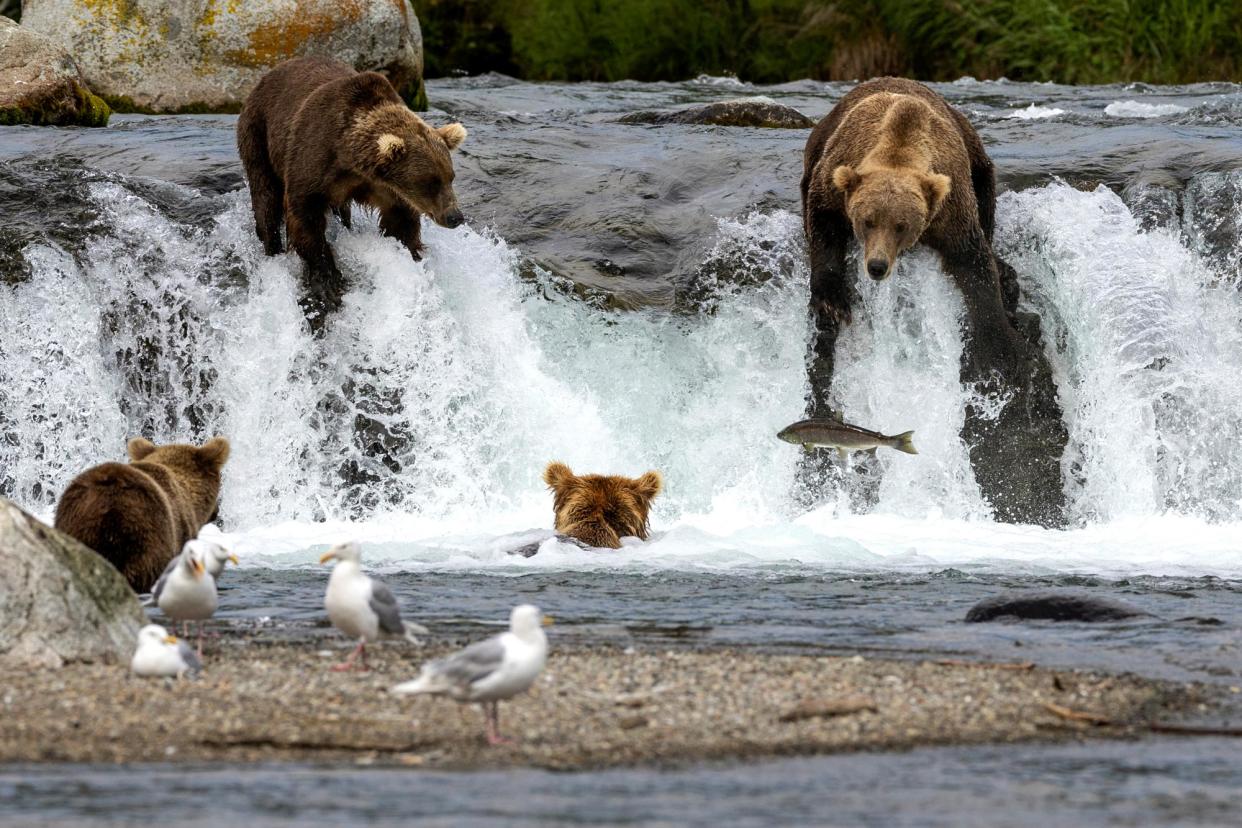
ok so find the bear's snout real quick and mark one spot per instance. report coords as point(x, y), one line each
point(453, 218)
point(877, 268)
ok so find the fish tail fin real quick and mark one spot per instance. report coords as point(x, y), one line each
point(905, 442)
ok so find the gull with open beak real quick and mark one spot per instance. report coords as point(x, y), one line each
point(187, 591)
point(162, 655)
point(360, 606)
point(487, 671)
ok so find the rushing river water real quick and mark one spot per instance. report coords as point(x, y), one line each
point(633, 297)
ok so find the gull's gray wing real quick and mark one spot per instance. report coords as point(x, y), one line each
point(384, 604)
point(475, 663)
point(159, 584)
point(189, 656)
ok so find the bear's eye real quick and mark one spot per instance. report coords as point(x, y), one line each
point(869, 224)
point(901, 228)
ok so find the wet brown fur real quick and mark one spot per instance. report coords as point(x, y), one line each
point(314, 136)
point(598, 509)
point(139, 514)
point(894, 165)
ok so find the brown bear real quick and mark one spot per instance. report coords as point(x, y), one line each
point(894, 165)
point(139, 514)
point(599, 509)
point(315, 135)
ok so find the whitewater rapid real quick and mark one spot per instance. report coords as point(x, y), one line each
point(420, 424)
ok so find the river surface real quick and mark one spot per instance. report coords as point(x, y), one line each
point(631, 297)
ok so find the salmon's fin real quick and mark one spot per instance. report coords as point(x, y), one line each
point(905, 442)
point(844, 456)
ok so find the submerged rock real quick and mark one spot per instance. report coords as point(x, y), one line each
point(206, 55)
point(59, 601)
point(40, 83)
point(1052, 606)
point(742, 112)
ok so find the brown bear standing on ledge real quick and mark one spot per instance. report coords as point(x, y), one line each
point(893, 165)
point(599, 509)
point(139, 515)
point(315, 135)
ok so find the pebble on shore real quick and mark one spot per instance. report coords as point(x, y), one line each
point(593, 707)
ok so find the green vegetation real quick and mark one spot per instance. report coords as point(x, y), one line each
point(1068, 41)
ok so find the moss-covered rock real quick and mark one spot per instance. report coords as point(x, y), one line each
point(164, 56)
point(40, 83)
point(59, 601)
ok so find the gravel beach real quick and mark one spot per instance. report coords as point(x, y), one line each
point(593, 707)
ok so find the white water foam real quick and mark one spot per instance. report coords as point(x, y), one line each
point(1035, 112)
point(1139, 109)
point(429, 409)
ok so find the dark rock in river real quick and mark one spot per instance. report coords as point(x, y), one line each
point(742, 112)
point(40, 83)
point(1052, 606)
point(59, 601)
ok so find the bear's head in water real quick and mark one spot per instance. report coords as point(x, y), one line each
point(598, 509)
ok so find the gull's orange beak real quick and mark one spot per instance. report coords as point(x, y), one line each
point(197, 566)
point(233, 558)
point(327, 556)
point(170, 639)
point(547, 621)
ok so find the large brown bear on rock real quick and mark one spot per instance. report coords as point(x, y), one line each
point(315, 135)
point(599, 509)
point(893, 165)
point(139, 514)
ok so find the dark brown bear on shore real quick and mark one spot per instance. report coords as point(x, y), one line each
point(599, 509)
point(139, 514)
point(315, 135)
point(894, 165)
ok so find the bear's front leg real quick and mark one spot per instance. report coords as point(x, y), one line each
point(827, 235)
point(403, 224)
point(994, 345)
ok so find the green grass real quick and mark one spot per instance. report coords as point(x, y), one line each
point(1069, 41)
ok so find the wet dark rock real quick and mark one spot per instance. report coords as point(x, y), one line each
point(529, 550)
point(1052, 606)
point(59, 601)
point(743, 112)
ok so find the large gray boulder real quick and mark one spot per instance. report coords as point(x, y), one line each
point(40, 83)
point(206, 55)
point(59, 601)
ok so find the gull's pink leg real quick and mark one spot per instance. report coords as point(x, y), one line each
point(348, 663)
point(493, 724)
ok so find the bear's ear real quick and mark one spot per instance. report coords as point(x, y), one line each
point(846, 179)
point(215, 451)
point(389, 146)
point(558, 476)
point(139, 447)
point(935, 189)
point(452, 135)
point(649, 485)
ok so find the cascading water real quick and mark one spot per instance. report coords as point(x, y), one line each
point(421, 421)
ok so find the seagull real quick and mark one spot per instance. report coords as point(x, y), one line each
point(187, 591)
point(161, 654)
point(360, 606)
point(487, 671)
point(215, 556)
